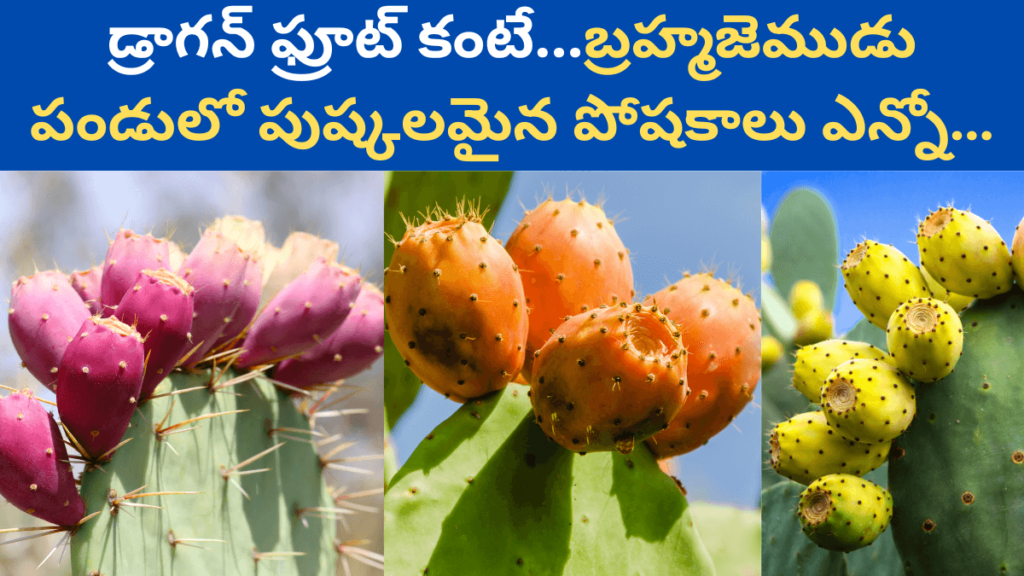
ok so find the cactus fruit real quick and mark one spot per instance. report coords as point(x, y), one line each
point(814, 326)
point(45, 313)
point(160, 308)
point(352, 348)
point(299, 251)
point(216, 269)
point(129, 254)
point(35, 475)
point(246, 234)
point(964, 253)
point(571, 260)
point(1017, 254)
point(879, 278)
point(88, 284)
point(868, 401)
point(771, 351)
point(720, 328)
point(248, 305)
point(957, 302)
point(843, 512)
point(176, 256)
point(609, 378)
point(815, 363)
point(805, 296)
point(304, 313)
point(98, 384)
point(926, 339)
point(804, 448)
point(455, 306)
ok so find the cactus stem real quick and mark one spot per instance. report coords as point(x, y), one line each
point(170, 429)
point(234, 470)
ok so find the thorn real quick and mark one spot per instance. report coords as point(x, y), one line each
point(168, 430)
point(226, 472)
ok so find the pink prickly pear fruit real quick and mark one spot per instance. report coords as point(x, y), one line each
point(455, 306)
point(177, 256)
point(216, 268)
point(299, 251)
point(609, 378)
point(99, 382)
point(35, 475)
point(44, 314)
point(302, 314)
point(129, 254)
point(352, 348)
point(88, 284)
point(248, 306)
point(721, 330)
point(571, 260)
point(160, 308)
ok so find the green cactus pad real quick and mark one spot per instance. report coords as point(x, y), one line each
point(814, 363)
point(804, 243)
point(804, 449)
point(957, 475)
point(136, 540)
point(488, 493)
point(732, 537)
point(843, 512)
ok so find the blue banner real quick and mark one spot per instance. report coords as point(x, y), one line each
point(510, 85)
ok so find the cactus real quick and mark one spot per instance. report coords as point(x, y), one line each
point(546, 508)
point(44, 314)
point(455, 305)
point(879, 278)
point(212, 513)
point(868, 401)
point(964, 253)
point(814, 326)
point(720, 328)
point(926, 339)
point(969, 428)
point(805, 448)
point(571, 260)
point(198, 473)
point(610, 378)
point(814, 363)
point(843, 512)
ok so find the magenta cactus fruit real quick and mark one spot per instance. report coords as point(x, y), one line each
point(302, 314)
point(99, 382)
point(88, 284)
point(352, 348)
point(248, 306)
point(216, 268)
point(299, 251)
point(44, 314)
point(35, 475)
point(129, 254)
point(609, 378)
point(160, 308)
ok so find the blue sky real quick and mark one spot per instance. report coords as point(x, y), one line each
point(886, 207)
point(671, 222)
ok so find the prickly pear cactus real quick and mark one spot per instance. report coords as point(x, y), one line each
point(957, 475)
point(214, 512)
point(488, 493)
